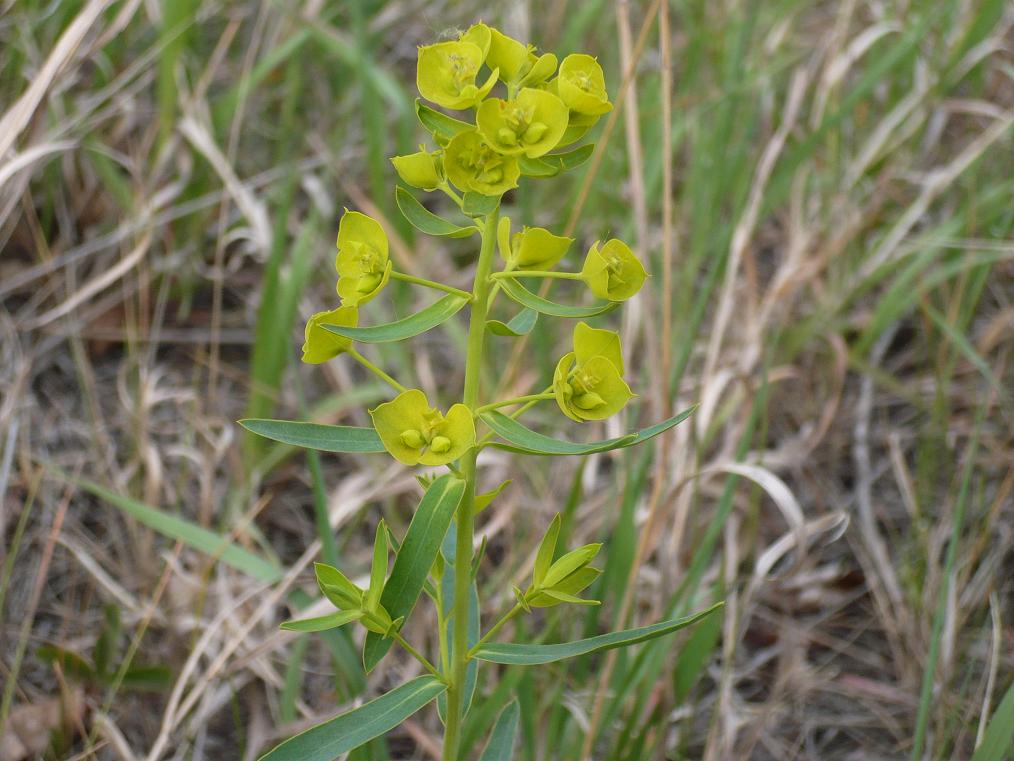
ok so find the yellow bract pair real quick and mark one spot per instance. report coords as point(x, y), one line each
point(415, 433)
point(588, 383)
point(364, 268)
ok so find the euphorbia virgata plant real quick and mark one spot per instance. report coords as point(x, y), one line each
point(522, 114)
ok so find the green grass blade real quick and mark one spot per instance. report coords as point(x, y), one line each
point(999, 738)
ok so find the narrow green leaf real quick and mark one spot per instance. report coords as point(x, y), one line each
point(329, 576)
point(530, 655)
point(557, 594)
point(323, 623)
point(501, 740)
point(415, 557)
point(426, 221)
point(520, 324)
point(348, 731)
point(570, 562)
point(438, 123)
point(427, 319)
point(999, 735)
point(106, 645)
point(478, 205)
point(526, 298)
point(192, 535)
point(482, 501)
point(554, 163)
point(150, 678)
point(72, 664)
point(519, 438)
point(378, 569)
point(326, 438)
point(547, 549)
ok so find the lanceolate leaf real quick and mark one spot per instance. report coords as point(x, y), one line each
point(519, 438)
point(501, 741)
point(530, 655)
point(416, 556)
point(425, 220)
point(526, 298)
point(439, 311)
point(348, 731)
point(554, 163)
point(519, 325)
point(440, 124)
point(326, 438)
point(323, 623)
point(478, 205)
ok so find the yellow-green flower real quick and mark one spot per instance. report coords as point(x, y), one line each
point(321, 345)
point(473, 165)
point(518, 63)
point(534, 248)
point(532, 123)
point(582, 85)
point(588, 382)
point(415, 433)
point(423, 170)
point(613, 272)
point(363, 264)
point(446, 74)
point(479, 35)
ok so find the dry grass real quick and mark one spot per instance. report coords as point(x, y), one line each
point(833, 283)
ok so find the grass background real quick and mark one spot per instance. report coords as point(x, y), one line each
point(823, 195)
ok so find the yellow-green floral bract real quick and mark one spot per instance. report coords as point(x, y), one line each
point(534, 248)
point(363, 262)
point(581, 85)
point(531, 124)
point(472, 165)
point(424, 170)
point(613, 272)
point(417, 434)
point(320, 345)
point(588, 383)
point(446, 74)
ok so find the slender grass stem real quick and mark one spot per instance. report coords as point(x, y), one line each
point(430, 284)
point(376, 370)
point(466, 517)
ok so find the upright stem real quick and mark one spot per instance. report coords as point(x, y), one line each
point(465, 516)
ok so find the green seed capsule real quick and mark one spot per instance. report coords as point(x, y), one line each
point(412, 438)
point(440, 444)
point(535, 132)
point(589, 401)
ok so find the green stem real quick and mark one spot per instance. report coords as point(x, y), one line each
point(375, 370)
point(466, 517)
point(515, 400)
point(538, 273)
point(430, 284)
point(519, 412)
point(396, 636)
point(496, 627)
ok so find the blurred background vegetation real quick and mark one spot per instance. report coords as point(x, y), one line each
point(823, 193)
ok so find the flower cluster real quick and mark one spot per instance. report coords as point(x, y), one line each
point(545, 105)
